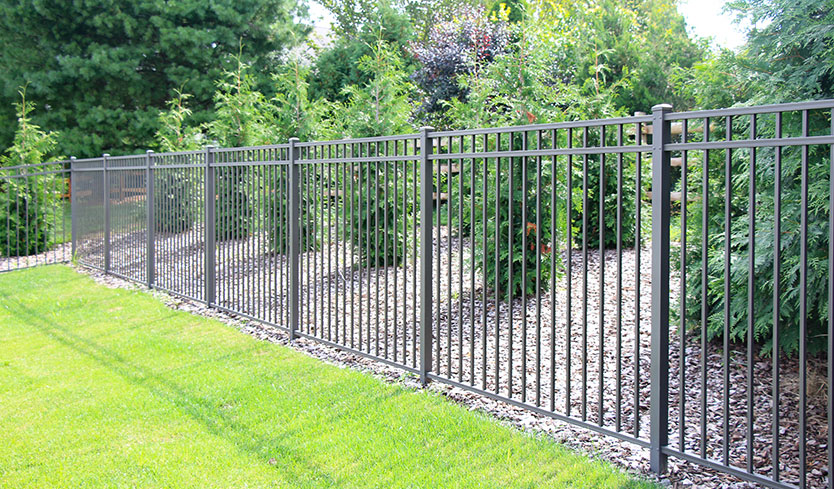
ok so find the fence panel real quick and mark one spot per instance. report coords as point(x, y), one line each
point(360, 246)
point(250, 189)
point(88, 211)
point(539, 303)
point(179, 228)
point(753, 257)
point(128, 207)
point(35, 226)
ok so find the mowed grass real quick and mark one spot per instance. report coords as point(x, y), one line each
point(110, 388)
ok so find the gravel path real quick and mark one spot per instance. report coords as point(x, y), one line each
point(373, 310)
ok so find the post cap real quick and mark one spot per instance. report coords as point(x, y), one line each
point(662, 108)
point(427, 128)
point(106, 155)
point(294, 140)
point(149, 151)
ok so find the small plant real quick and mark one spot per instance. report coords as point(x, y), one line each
point(173, 200)
point(25, 202)
point(382, 107)
point(244, 117)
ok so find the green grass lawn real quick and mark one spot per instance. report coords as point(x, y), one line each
point(110, 388)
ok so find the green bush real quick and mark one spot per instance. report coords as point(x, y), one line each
point(608, 193)
point(243, 117)
point(374, 210)
point(818, 215)
point(380, 107)
point(175, 210)
point(25, 204)
point(499, 270)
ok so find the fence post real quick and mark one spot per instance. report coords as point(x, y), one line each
point(426, 250)
point(661, 210)
point(210, 240)
point(73, 209)
point(294, 229)
point(150, 257)
point(106, 187)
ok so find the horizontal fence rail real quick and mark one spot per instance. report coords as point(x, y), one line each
point(663, 279)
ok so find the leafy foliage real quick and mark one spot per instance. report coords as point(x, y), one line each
point(25, 202)
point(787, 60)
point(175, 133)
point(452, 49)
point(244, 117)
point(635, 46)
point(173, 200)
point(359, 28)
point(519, 88)
point(380, 107)
point(295, 114)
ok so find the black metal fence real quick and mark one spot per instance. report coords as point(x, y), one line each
point(663, 279)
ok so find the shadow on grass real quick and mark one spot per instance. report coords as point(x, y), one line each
point(211, 417)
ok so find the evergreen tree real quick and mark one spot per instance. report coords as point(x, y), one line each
point(787, 58)
point(25, 202)
point(102, 70)
point(356, 36)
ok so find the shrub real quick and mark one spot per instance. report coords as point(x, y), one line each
point(373, 205)
point(818, 215)
point(234, 215)
point(381, 107)
point(608, 193)
point(278, 216)
point(26, 202)
point(175, 210)
point(243, 117)
point(174, 207)
point(518, 88)
point(498, 271)
point(454, 48)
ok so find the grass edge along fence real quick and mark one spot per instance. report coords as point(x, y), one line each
point(473, 258)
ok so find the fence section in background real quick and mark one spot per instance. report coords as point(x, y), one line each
point(663, 279)
point(88, 212)
point(247, 227)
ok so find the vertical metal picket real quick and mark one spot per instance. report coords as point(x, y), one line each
point(151, 219)
point(106, 198)
point(426, 202)
point(294, 229)
point(661, 220)
point(211, 248)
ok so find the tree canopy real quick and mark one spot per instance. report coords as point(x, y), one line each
point(101, 71)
